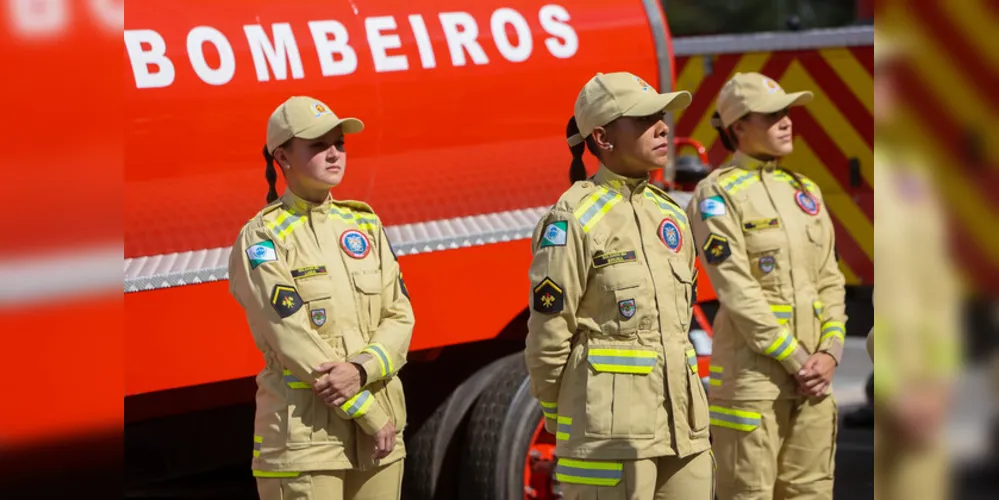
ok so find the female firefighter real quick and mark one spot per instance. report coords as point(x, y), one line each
point(612, 281)
point(768, 246)
point(327, 307)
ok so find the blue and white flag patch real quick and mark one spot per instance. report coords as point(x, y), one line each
point(555, 234)
point(712, 207)
point(261, 252)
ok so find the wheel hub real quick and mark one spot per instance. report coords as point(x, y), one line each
point(539, 467)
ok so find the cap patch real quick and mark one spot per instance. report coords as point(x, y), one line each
point(771, 85)
point(645, 86)
point(319, 109)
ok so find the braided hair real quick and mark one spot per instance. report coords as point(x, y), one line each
point(271, 174)
point(577, 169)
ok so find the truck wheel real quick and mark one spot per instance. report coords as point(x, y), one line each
point(432, 452)
point(507, 454)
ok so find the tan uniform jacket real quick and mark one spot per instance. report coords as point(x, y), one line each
point(768, 248)
point(916, 293)
point(320, 283)
point(607, 345)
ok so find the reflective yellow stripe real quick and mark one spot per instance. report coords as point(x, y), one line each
point(667, 208)
point(379, 352)
point(738, 181)
point(783, 346)
point(595, 207)
point(692, 360)
point(258, 443)
point(267, 473)
point(358, 405)
point(589, 472)
point(783, 312)
point(564, 428)
point(295, 382)
point(819, 308)
point(550, 409)
point(622, 361)
point(715, 375)
point(739, 420)
point(285, 223)
point(833, 329)
point(786, 177)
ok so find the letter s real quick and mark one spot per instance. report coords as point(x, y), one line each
point(564, 42)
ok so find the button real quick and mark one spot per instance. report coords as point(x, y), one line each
point(585, 184)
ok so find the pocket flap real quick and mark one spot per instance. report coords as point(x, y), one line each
point(368, 282)
point(313, 289)
point(681, 271)
point(614, 359)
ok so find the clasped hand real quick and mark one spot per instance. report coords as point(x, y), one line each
point(815, 376)
point(341, 382)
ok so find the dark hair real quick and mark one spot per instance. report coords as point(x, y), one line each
point(728, 138)
point(271, 176)
point(577, 170)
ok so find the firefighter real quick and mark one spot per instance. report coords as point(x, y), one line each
point(766, 241)
point(916, 332)
point(612, 283)
point(328, 309)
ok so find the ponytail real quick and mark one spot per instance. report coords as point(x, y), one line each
point(727, 139)
point(271, 176)
point(577, 170)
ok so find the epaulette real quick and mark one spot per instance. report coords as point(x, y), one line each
point(355, 205)
point(576, 194)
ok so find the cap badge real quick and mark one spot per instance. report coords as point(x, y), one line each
point(645, 86)
point(319, 109)
point(771, 85)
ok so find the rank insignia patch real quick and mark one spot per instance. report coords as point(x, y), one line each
point(319, 317)
point(755, 225)
point(555, 234)
point(355, 243)
point(285, 300)
point(261, 252)
point(716, 249)
point(308, 272)
point(767, 264)
point(807, 202)
point(548, 297)
point(670, 235)
point(609, 259)
point(627, 308)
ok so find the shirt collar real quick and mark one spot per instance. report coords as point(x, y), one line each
point(303, 206)
point(749, 163)
point(604, 177)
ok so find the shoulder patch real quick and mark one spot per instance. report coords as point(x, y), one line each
point(712, 206)
point(576, 194)
point(285, 300)
point(261, 252)
point(355, 205)
point(716, 249)
point(555, 234)
point(548, 297)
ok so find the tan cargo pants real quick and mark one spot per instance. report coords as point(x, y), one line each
point(775, 450)
point(663, 478)
point(902, 471)
point(384, 483)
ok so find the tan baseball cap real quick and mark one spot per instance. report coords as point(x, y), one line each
point(607, 97)
point(305, 118)
point(754, 93)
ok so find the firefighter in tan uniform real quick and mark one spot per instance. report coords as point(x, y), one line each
point(916, 333)
point(327, 307)
point(612, 283)
point(766, 241)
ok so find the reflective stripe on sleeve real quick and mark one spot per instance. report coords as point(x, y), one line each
point(258, 443)
point(715, 375)
point(564, 429)
point(692, 360)
point(294, 382)
point(550, 409)
point(783, 346)
point(833, 329)
point(379, 352)
point(782, 312)
point(358, 405)
point(275, 474)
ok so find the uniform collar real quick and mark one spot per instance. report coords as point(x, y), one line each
point(604, 177)
point(749, 163)
point(303, 206)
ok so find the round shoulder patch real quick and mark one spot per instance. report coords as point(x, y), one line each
point(807, 202)
point(355, 243)
point(670, 235)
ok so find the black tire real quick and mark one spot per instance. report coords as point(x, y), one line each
point(498, 437)
point(432, 453)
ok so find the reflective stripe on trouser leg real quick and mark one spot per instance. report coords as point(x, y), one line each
point(747, 460)
point(589, 472)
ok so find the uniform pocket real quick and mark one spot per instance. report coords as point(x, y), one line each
point(697, 412)
point(683, 293)
point(369, 294)
point(317, 293)
point(624, 388)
